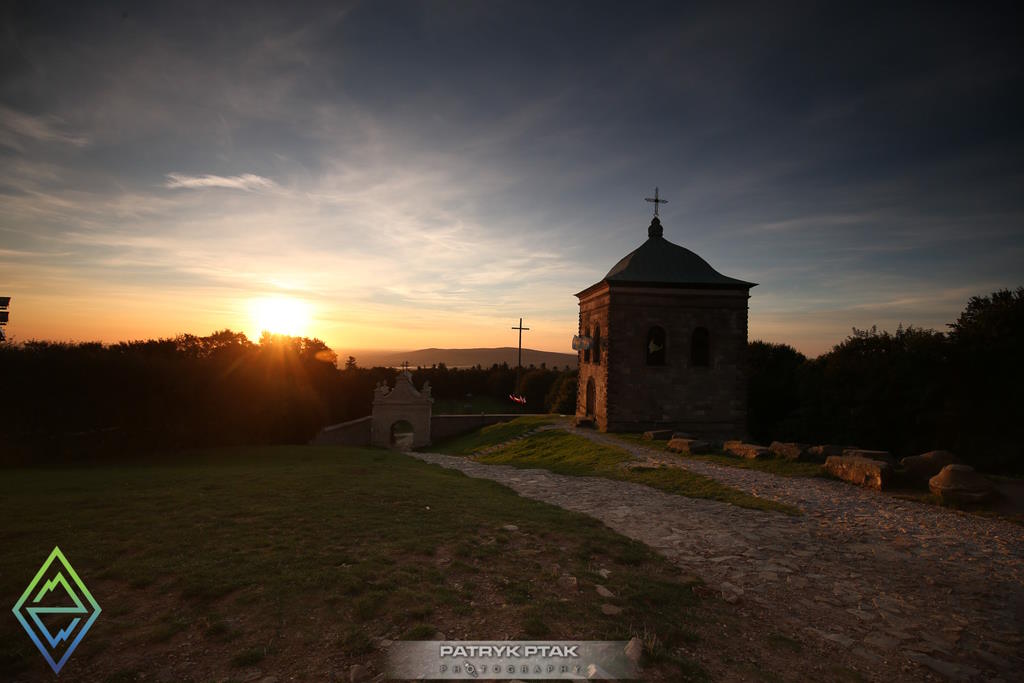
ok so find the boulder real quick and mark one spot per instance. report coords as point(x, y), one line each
point(819, 453)
point(568, 583)
point(658, 435)
point(873, 474)
point(921, 468)
point(789, 450)
point(961, 484)
point(706, 446)
point(730, 592)
point(750, 451)
point(690, 446)
point(679, 445)
point(882, 456)
point(634, 650)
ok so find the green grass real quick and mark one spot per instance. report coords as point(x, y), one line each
point(779, 466)
point(493, 435)
point(571, 454)
point(226, 559)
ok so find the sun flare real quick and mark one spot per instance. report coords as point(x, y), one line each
point(280, 315)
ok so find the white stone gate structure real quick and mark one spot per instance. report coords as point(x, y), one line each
point(403, 403)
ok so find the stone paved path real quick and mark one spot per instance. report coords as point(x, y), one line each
point(903, 590)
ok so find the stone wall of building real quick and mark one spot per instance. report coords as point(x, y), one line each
point(594, 314)
point(701, 400)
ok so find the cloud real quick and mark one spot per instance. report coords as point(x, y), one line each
point(15, 125)
point(248, 182)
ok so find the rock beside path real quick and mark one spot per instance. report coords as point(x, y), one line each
point(750, 451)
point(569, 583)
point(881, 456)
point(961, 484)
point(790, 450)
point(658, 435)
point(820, 453)
point(873, 474)
point(921, 468)
point(634, 650)
point(690, 446)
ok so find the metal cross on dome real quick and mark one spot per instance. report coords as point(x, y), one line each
point(656, 201)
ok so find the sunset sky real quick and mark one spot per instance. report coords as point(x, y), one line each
point(405, 175)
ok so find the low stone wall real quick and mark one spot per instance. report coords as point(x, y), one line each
point(445, 426)
point(358, 432)
point(351, 433)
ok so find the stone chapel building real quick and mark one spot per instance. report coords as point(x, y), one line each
point(662, 344)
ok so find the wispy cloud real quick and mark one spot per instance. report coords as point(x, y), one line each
point(249, 182)
point(15, 126)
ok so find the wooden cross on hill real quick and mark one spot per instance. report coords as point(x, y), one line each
point(520, 364)
point(656, 201)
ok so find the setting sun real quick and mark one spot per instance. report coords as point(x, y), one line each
point(279, 315)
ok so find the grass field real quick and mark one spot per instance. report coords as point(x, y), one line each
point(780, 466)
point(297, 561)
point(495, 434)
point(566, 453)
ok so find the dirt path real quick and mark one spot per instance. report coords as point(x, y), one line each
point(894, 589)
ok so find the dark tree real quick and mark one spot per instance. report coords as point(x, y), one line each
point(773, 396)
point(987, 412)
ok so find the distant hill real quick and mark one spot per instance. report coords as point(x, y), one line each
point(457, 358)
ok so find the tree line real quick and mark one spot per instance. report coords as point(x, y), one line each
point(85, 400)
point(907, 391)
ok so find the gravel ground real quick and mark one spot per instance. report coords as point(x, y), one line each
point(894, 589)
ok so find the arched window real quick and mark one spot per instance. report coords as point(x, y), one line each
point(590, 402)
point(586, 351)
point(700, 348)
point(655, 349)
point(597, 344)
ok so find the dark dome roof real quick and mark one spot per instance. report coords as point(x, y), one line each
point(658, 261)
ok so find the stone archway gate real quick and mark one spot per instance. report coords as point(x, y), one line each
point(403, 402)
